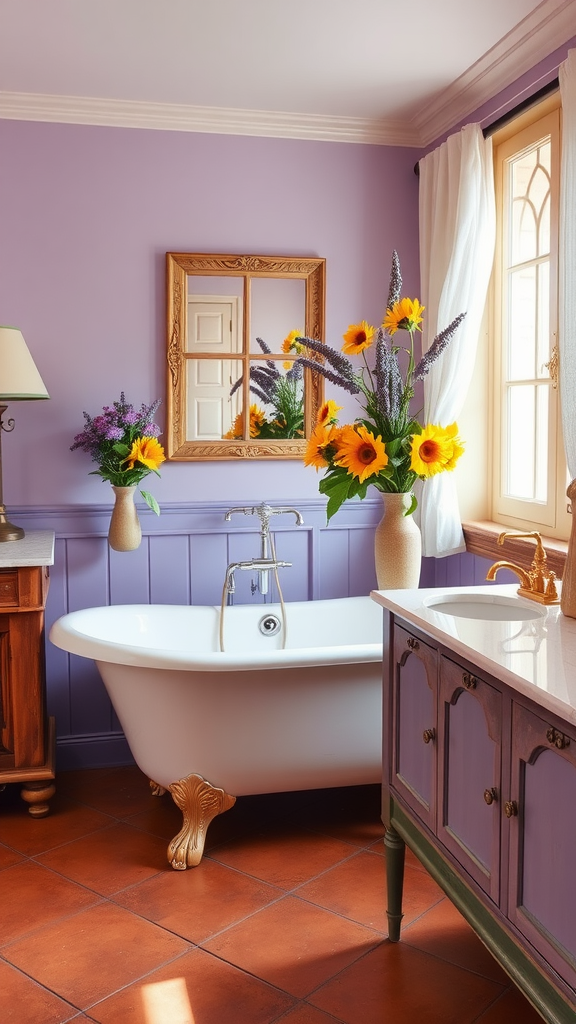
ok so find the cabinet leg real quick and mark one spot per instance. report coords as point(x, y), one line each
point(37, 794)
point(395, 852)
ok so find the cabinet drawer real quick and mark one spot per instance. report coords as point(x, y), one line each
point(9, 595)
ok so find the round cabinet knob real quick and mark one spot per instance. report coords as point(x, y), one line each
point(490, 795)
point(428, 735)
point(510, 808)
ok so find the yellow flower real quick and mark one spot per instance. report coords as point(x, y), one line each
point(235, 431)
point(327, 412)
point(257, 418)
point(291, 345)
point(320, 438)
point(358, 337)
point(436, 449)
point(405, 315)
point(362, 454)
point(148, 451)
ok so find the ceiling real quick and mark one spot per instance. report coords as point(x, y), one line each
point(397, 72)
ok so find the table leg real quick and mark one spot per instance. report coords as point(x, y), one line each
point(395, 853)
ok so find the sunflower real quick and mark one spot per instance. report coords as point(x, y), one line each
point(257, 418)
point(358, 337)
point(434, 450)
point(327, 412)
point(291, 345)
point(406, 315)
point(320, 438)
point(147, 451)
point(360, 452)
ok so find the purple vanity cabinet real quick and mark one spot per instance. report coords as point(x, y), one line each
point(542, 821)
point(470, 732)
point(480, 782)
point(414, 716)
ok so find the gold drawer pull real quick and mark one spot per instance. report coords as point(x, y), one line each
point(490, 795)
point(511, 809)
point(557, 739)
point(469, 681)
point(429, 734)
point(412, 644)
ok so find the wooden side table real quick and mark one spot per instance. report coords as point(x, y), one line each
point(27, 735)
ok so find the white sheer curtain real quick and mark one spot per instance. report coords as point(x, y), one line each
point(567, 318)
point(457, 236)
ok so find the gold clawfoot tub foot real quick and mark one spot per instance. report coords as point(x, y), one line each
point(199, 803)
point(156, 789)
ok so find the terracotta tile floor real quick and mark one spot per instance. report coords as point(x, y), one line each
point(284, 920)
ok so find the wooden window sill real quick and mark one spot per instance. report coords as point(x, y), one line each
point(482, 539)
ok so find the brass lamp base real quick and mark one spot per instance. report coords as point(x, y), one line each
point(7, 530)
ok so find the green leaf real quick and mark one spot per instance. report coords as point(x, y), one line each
point(121, 449)
point(151, 501)
point(413, 506)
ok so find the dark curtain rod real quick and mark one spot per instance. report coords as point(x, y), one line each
point(490, 129)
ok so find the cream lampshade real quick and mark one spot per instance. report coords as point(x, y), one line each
point(19, 381)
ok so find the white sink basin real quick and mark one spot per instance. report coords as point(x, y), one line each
point(485, 606)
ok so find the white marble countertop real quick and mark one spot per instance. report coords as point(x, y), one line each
point(535, 657)
point(35, 548)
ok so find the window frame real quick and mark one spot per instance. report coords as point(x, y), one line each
point(551, 518)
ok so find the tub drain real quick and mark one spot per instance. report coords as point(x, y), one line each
point(269, 625)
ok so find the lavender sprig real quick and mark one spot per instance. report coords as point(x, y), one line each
point(339, 362)
point(388, 379)
point(437, 347)
point(334, 378)
point(395, 286)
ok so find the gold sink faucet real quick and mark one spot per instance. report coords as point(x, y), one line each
point(538, 582)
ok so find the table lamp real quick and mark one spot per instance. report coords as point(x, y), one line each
point(19, 382)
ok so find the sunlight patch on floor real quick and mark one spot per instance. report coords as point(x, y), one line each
point(166, 1002)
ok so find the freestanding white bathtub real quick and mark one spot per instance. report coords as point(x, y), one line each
point(257, 717)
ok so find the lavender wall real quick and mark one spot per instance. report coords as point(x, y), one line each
point(87, 215)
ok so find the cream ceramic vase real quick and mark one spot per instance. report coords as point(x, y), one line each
point(397, 545)
point(125, 532)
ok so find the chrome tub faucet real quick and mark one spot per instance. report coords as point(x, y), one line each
point(267, 560)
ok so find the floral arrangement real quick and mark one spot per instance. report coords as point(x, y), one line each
point(124, 444)
point(283, 392)
point(386, 446)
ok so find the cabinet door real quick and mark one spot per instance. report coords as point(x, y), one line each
point(542, 820)
point(470, 717)
point(414, 731)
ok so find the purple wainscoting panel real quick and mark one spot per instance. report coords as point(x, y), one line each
point(361, 571)
point(57, 661)
point(208, 559)
point(334, 562)
point(169, 587)
point(129, 574)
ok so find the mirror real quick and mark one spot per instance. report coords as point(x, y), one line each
point(229, 395)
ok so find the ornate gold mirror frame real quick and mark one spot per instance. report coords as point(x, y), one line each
point(202, 359)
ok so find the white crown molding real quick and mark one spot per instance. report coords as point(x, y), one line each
point(550, 25)
point(220, 120)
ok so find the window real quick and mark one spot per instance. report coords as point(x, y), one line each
point(529, 465)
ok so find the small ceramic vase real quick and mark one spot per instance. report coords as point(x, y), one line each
point(125, 532)
point(397, 545)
